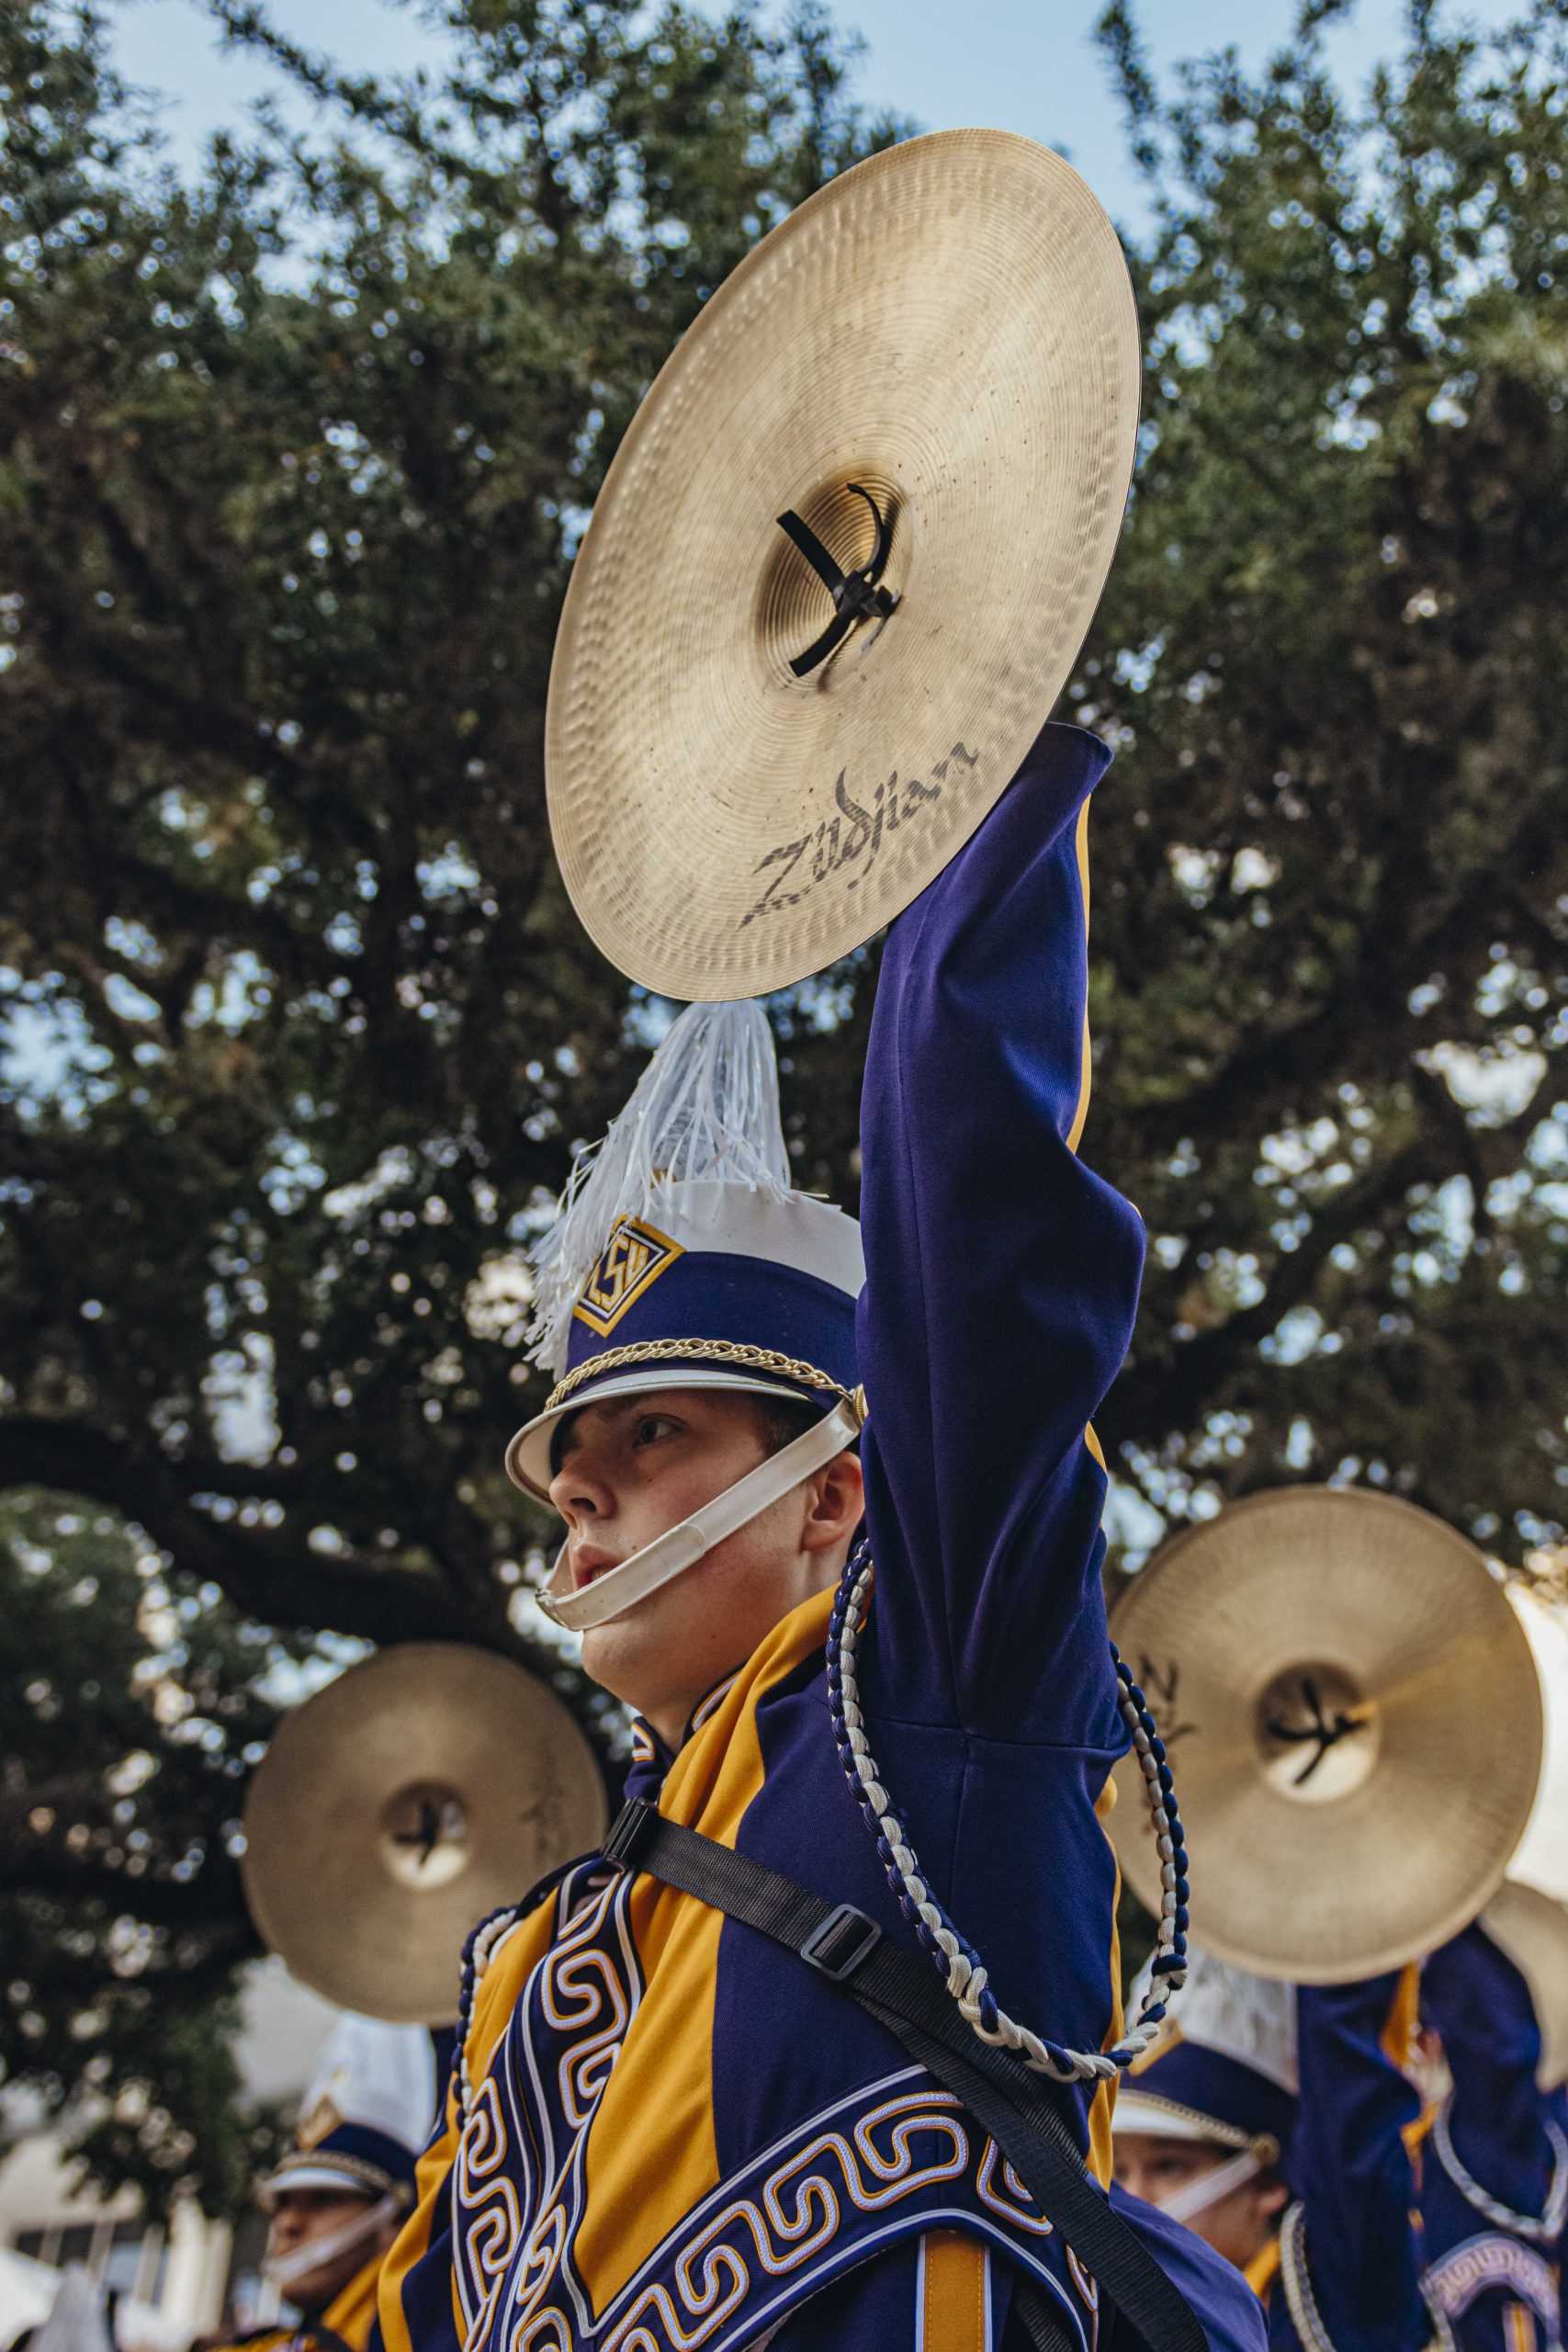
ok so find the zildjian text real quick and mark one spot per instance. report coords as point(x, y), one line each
point(843, 840)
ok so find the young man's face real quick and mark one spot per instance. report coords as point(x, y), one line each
point(634, 1467)
point(304, 2216)
point(1238, 2225)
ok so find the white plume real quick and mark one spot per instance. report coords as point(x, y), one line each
point(1250, 2019)
point(707, 1106)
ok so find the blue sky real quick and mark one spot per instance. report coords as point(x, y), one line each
point(1025, 65)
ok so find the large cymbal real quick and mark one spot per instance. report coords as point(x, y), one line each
point(1355, 1728)
point(943, 337)
point(1533, 1931)
point(423, 1788)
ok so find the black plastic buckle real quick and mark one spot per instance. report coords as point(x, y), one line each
point(826, 1947)
point(626, 1832)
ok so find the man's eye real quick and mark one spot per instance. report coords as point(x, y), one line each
point(653, 1426)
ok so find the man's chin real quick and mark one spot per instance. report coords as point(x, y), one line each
point(313, 2293)
point(612, 1650)
point(628, 1659)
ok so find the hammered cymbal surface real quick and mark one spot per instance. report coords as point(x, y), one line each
point(1301, 1608)
point(422, 1789)
point(951, 325)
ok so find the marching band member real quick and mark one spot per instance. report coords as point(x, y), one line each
point(1257, 2085)
point(1333, 1650)
point(339, 2196)
point(1208, 2111)
point(1494, 2175)
point(666, 2128)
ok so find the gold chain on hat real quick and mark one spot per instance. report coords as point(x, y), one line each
point(706, 1351)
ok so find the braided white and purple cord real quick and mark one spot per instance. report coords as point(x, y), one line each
point(1539, 2229)
point(955, 1960)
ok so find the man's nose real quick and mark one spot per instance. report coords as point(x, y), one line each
point(578, 1492)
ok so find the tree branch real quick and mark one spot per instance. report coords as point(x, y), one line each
point(1142, 1407)
point(274, 1582)
point(212, 1898)
point(1271, 1065)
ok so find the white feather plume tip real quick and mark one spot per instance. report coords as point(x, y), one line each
point(1249, 2018)
point(707, 1106)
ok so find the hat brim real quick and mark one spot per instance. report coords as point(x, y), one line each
point(528, 1455)
point(1135, 2112)
point(322, 2175)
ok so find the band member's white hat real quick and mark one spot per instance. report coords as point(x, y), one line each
point(1223, 2070)
point(683, 1256)
point(368, 2113)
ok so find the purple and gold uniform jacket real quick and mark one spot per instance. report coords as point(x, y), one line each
point(1497, 2288)
point(677, 2134)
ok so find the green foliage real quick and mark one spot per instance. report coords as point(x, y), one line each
point(1332, 887)
point(293, 462)
point(133, 1711)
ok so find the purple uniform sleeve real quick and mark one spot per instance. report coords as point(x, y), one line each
point(1481, 2006)
point(1001, 1283)
point(1357, 2251)
point(1496, 2284)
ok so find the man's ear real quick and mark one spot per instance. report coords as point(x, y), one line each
point(1272, 2198)
point(836, 1501)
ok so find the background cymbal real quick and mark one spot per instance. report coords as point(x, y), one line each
point(949, 325)
point(423, 1788)
point(1354, 1725)
point(1532, 1929)
point(1542, 1855)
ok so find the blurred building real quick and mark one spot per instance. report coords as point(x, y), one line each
point(176, 2278)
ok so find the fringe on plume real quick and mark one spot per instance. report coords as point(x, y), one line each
point(708, 1105)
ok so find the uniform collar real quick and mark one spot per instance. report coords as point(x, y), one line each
point(651, 1757)
point(1263, 2269)
point(349, 2316)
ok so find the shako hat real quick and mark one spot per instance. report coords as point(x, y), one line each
point(1223, 2070)
point(366, 2114)
point(683, 1256)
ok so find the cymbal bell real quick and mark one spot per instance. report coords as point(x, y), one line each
point(422, 1789)
point(912, 409)
point(1532, 1930)
point(1354, 1725)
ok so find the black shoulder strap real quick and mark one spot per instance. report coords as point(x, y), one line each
point(1010, 2102)
point(319, 2337)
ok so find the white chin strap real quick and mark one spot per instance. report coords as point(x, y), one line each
point(681, 1546)
point(1199, 2195)
point(287, 2269)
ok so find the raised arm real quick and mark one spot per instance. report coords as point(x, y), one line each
point(1002, 1278)
point(1481, 2006)
point(1350, 2245)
